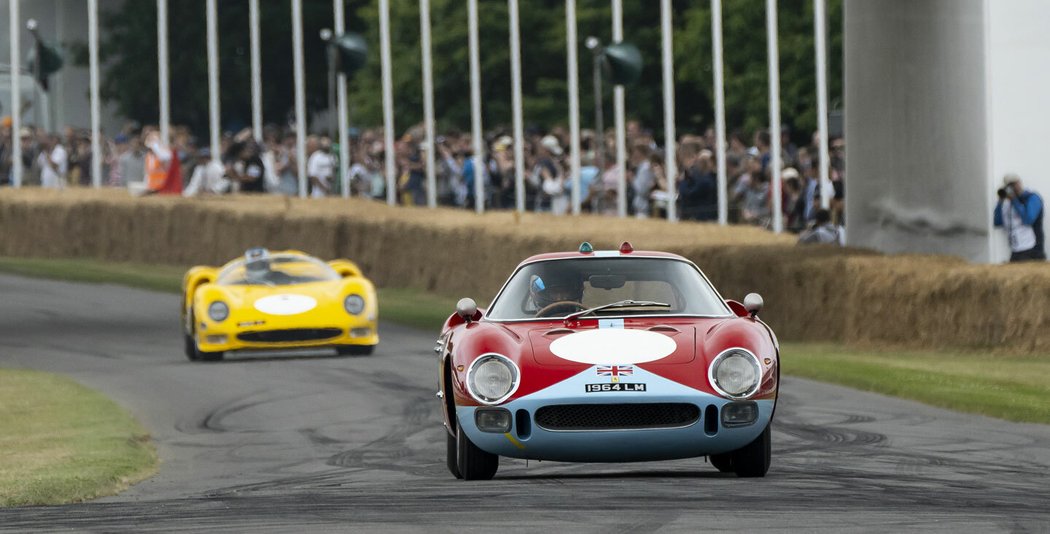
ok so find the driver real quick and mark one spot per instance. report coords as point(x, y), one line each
point(257, 263)
point(546, 290)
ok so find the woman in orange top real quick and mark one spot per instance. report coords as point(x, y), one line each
point(157, 158)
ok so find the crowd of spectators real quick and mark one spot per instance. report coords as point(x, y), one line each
point(137, 158)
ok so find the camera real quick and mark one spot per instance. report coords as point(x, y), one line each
point(1002, 193)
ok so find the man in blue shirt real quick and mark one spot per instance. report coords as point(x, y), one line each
point(1020, 212)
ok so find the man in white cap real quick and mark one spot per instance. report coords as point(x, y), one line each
point(548, 178)
point(1020, 212)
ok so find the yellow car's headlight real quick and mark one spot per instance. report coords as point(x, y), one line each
point(218, 311)
point(354, 304)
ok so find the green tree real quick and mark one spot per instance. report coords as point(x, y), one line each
point(129, 51)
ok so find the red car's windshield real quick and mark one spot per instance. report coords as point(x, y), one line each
point(556, 288)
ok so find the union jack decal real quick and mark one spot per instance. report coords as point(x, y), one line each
point(615, 370)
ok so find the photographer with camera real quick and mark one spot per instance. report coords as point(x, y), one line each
point(1020, 212)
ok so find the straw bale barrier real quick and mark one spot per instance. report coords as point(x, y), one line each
point(812, 293)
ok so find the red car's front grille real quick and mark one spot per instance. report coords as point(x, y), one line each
point(617, 416)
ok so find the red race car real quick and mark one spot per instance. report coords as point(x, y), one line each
point(608, 356)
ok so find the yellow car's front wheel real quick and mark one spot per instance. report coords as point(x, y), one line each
point(194, 353)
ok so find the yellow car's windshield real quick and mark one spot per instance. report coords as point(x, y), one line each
point(277, 270)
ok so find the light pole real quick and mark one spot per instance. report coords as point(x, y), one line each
point(39, 84)
point(595, 46)
point(326, 36)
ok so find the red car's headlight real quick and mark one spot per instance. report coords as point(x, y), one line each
point(492, 378)
point(735, 373)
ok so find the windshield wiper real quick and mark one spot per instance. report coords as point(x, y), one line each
point(618, 304)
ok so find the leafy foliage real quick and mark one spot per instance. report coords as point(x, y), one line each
point(129, 50)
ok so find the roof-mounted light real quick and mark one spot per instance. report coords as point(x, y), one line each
point(586, 248)
point(626, 248)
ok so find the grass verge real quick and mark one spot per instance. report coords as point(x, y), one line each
point(63, 442)
point(1001, 386)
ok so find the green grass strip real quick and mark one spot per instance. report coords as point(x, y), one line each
point(155, 277)
point(62, 442)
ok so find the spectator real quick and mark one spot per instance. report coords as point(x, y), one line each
point(1020, 212)
point(31, 146)
point(604, 191)
point(319, 167)
point(644, 181)
point(163, 174)
point(697, 189)
point(504, 172)
point(469, 171)
point(53, 162)
point(113, 154)
point(790, 199)
point(756, 209)
point(823, 231)
point(838, 180)
point(588, 176)
point(660, 196)
point(248, 169)
point(285, 165)
point(414, 187)
point(547, 175)
point(133, 164)
point(80, 167)
point(450, 168)
point(6, 151)
point(762, 147)
point(209, 176)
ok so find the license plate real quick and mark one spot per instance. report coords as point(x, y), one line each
point(619, 386)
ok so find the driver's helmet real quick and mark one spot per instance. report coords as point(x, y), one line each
point(257, 261)
point(546, 290)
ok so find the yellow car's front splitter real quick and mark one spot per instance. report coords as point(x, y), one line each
point(226, 338)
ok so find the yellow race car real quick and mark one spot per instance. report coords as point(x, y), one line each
point(277, 301)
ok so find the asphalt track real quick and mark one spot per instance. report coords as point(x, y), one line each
point(356, 444)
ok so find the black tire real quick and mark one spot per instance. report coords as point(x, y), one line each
point(450, 455)
point(211, 356)
point(752, 460)
point(722, 462)
point(472, 462)
point(190, 347)
point(355, 350)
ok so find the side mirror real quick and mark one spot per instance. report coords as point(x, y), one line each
point(467, 308)
point(753, 303)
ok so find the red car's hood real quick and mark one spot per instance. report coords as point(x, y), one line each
point(613, 342)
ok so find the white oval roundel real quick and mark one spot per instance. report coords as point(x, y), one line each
point(613, 346)
point(285, 304)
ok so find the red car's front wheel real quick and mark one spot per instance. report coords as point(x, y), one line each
point(472, 462)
